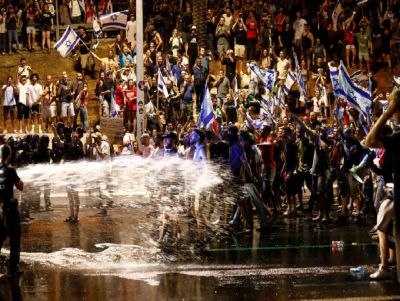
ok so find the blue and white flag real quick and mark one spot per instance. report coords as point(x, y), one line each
point(114, 110)
point(207, 116)
point(67, 42)
point(267, 106)
point(255, 123)
point(334, 74)
point(96, 32)
point(266, 77)
point(384, 105)
point(279, 99)
point(356, 96)
point(303, 92)
point(235, 92)
point(162, 87)
point(289, 82)
point(115, 20)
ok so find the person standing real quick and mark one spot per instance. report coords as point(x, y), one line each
point(391, 143)
point(131, 32)
point(11, 25)
point(35, 91)
point(49, 103)
point(23, 104)
point(84, 48)
point(3, 32)
point(46, 26)
point(9, 90)
point(9, 219)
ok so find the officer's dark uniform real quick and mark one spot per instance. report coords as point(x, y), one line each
point(9, 221)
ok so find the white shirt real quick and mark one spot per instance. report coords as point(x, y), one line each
point(282, 68)
point(75, 9)
point(317, 105)
point(105, 149)
point(9, 97)
point(35, 92)
point(23, 94)
point(131, 31)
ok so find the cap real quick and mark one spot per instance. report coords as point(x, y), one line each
point(194, 27)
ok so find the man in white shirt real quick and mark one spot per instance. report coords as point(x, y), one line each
point(35, 93)
point(298, 27)
point(23, 104)
point(131, 32)
point(9, 103)
point(75, 10)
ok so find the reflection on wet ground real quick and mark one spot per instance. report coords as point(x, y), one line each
point(115, 258)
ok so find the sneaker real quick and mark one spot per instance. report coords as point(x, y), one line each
point(49, 208)
point(381, 273)
point(317, 219)
point(102, 212)
point(69, 219)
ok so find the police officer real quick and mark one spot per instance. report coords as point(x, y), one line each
point(9, 215)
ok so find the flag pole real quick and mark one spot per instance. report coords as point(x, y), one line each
point(158, 89)
point(139, 69)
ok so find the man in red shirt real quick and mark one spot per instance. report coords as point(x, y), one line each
point(252, 33)
point(120, 96)
point(130, 107)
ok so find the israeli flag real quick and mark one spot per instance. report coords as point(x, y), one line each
point(384, 105)
point(114, 110)
point(115, 20)
point(334, 74)
point(207, 116)
point(278, 100)
point(235, 92)
point(96, 32)
point(67, 42)
point(267, 77)
point(289, 82)
point(266, 106)
point(162, 87)
point(303, 92)
point(356, 96)
point(255, 123)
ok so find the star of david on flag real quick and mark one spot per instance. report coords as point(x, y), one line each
point(67, 42)
point(114, 20)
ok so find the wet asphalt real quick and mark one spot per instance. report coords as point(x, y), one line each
point(293, 260)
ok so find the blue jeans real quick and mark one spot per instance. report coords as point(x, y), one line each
point(84, 118)
point(12, 37)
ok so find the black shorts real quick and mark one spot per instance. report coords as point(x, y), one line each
point(45, 27)
point(23, 111)
point(8, 110)
point(36, 109)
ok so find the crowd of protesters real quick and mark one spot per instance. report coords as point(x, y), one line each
point(34, 21)
point(275, 161)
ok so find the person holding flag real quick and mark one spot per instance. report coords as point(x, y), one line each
point(207, 116)
point(85, 43)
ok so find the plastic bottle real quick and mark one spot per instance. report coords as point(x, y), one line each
point(359, 269)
